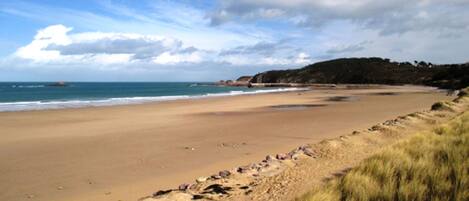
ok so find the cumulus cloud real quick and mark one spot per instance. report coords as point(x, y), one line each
point(57, 44)
point(52, 35)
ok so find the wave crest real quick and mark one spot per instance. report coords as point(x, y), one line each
point(42, 105)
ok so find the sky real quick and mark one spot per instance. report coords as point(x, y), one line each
point(203, 40)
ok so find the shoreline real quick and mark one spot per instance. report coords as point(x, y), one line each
point(128, 151)
point(116, 101)
point(25, 106)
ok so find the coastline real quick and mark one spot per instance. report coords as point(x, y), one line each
point(128, 151)
point(83, 103)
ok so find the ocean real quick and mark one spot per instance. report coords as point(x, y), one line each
point(19, 96)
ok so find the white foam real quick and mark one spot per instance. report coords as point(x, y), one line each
point(42, 105)
point(28, 86)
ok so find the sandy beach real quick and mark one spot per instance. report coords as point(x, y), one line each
point(127, 152)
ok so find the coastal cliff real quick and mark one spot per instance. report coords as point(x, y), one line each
point(365, 71)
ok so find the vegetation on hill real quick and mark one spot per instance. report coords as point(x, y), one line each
point(372, 71)
point(429, 166)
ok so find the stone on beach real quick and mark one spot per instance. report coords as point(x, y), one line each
point(215, 176)
point(282, 156)
point(269, 158)
point(243, 169)
point(201, 179)
point(184, 187)
point(224, 173)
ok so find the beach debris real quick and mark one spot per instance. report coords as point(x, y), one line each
point(201, 179)
point(60, 188)
point(107, 193)
point(189, 148)
point(184, 186)
point(224, 173)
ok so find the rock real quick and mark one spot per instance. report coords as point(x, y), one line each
point(269, 158)
point(201, 179)
point(281, 156)
point(224, 173)
point(184, 187)
point(243, 169)
point(301, 148)
point(309, 152)
point(215, 176)
point(217, 189)
point(292, 153)
point(58, 84)
point(60, 188)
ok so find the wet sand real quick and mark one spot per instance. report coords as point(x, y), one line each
point(127, 152)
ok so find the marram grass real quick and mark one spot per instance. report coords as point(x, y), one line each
point(429, 166)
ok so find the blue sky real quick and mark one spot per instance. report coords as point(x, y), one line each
point(91, 40)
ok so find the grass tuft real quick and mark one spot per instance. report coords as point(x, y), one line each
point(429, 166)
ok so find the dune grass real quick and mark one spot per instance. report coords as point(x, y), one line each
point(428, 166)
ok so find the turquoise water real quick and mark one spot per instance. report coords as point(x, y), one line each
point(40, 95)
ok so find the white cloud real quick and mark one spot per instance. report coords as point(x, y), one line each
point(57, 44)
point(170, 58)
point(52, 35)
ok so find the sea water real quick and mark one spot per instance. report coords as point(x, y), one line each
point(18, 96)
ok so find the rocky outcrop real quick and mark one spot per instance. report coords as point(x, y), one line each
point(245, 78)
point(372, 71)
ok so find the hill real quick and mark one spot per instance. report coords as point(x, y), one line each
point(372, 71)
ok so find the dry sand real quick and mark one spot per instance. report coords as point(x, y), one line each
point(127, 152)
